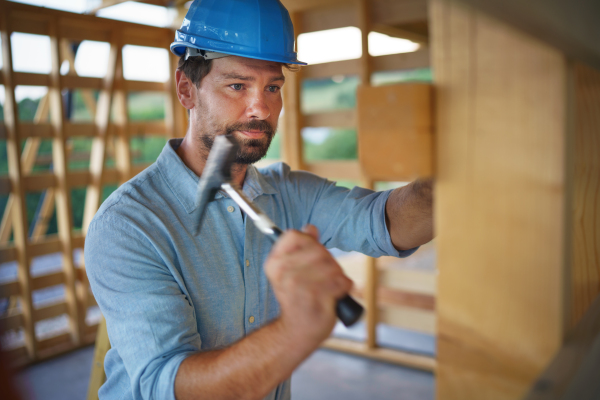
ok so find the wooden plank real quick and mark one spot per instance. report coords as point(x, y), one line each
point(175, 113)
point(338, 169)
point(414, 281)
point(32, 79)
point(395, 62)
point(291, 139)
point(586, 185)
point(143, 86)
point(36, 130)
point(302, 5)
point(10, 322)
point(398, 12)
point(327, 70)
point(10, 289)
point(39, 181)
point(98, 154)
point(50, 311)
point(47, 245)
point(44, 281)
point(571, 27)
point(122, 142)
point(97, 375)
point(19, 214)
point(416, 361)
point(573, 373)
point(408, 318)
point(324, 18)
point(334, 119)
point(501, 204)
point(395, 131)
point(144, 128)
point(80, 82)
point(394, 298)
point(79, 129)
point(53, 342)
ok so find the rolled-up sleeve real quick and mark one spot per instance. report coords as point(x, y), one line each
point(150, 320)
point(347, 219)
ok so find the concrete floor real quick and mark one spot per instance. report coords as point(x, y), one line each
point(326, 375)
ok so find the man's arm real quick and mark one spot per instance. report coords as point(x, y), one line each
point(307, 281)
point(409, 214)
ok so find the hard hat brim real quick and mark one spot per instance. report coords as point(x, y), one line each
point(178, 49)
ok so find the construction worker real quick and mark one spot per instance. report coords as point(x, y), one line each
point(225, 314)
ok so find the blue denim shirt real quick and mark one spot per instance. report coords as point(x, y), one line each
point(167, 293)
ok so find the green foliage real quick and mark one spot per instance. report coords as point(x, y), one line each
point(27, 109)
point(340, 144)
point(146, 149)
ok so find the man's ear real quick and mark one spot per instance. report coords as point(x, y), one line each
point(185, 90)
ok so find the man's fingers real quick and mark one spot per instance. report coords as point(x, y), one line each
point(312, 231)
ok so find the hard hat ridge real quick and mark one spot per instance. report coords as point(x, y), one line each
point(260, 29)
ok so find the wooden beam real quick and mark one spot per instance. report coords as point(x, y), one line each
point(571, 27)
point(416, 361)
point(338, 169)
point(573, 373)
point(62, 192)
point(291, 140)
point(586, 190)
point(334, 119)
point(94, 190)
point(503, 203)
point(19, 215)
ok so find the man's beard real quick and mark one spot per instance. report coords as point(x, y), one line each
point(250, 150)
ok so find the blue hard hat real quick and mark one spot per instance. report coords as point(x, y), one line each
point(260, 29)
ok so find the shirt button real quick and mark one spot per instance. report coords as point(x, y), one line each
point(251, 319)
point(230, 209)
point(247, 263)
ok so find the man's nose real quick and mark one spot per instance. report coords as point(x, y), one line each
point(258, 108)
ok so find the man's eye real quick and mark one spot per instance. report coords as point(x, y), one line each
point(273, 89)
point(236, 86)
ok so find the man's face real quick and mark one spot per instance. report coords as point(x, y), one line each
point(241, 97)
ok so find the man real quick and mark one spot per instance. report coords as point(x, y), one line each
point(226, 314)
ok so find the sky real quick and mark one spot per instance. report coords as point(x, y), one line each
point(313, 48)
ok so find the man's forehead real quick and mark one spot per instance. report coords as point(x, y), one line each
point(235, 64)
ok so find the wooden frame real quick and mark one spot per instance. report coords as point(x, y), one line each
point(396, 307)
point(62, 27)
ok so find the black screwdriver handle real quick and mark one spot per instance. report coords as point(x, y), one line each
point(347, 309)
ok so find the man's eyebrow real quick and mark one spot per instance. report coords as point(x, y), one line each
point(233, 75)
point(236, 76)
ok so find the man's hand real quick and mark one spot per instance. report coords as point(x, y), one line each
point(307, 282)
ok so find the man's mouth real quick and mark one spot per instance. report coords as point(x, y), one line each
point(253, 134)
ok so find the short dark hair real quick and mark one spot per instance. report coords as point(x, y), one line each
point(195, 68)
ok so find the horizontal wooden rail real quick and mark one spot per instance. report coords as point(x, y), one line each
point(333, 119)
point(336, 169)
point(392, 62)
point(417, 361)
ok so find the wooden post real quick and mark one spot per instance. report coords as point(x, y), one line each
point(121, 122)
point(586, 187)
point(371, 276)
point(503, 203)
point(19, 215)
point(63, 189)
point(291, 141)
point(93, 196)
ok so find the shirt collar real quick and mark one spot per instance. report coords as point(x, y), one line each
point(183, 182)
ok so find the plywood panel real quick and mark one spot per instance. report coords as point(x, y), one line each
point(501, 201)
point(586, 185)
point(395, 139)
